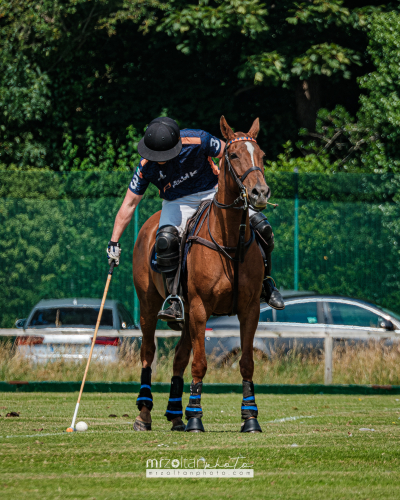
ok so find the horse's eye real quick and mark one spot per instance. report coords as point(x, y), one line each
point(234, 156)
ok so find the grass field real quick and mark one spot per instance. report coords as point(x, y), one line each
point(333, 459)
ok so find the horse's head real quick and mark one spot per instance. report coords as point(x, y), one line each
point(243, 155)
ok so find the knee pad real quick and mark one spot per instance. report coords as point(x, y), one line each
point(260, 223)
point(167, 248)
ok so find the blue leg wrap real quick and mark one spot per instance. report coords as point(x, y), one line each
point(194, 408)
point(174, 408)
point(145, 397)
point(249, 406)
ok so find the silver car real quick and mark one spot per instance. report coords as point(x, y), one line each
point(65, 329)
point(304, 314)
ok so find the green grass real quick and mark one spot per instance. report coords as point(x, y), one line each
point(109, 460)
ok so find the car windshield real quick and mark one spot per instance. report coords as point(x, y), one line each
point(395, 315)
point(353, 315)
point(56, 317)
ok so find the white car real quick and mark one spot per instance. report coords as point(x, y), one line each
point(65, 329)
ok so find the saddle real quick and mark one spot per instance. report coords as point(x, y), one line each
point(180, 283)
point(190, 237)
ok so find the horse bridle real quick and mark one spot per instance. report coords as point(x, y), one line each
point(243, 196)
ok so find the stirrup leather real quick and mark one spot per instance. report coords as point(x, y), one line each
point(270, 277)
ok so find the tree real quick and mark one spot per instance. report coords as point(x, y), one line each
point(54, 70)
point(380, 106)
point(112, 64)
point(369, 140)
point(297, 46)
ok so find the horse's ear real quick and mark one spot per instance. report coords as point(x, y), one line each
point(255, 128)
point(226, 130)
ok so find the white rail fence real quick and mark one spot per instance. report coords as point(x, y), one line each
point(275, 331)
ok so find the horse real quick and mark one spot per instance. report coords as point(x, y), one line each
point(213, 268)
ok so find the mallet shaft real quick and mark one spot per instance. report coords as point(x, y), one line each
point(93, 341)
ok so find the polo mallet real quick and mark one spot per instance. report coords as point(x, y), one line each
point(72, 428)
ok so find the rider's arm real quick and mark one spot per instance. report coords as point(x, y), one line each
point(221, 153)
point(125, 214)
point(212, 146)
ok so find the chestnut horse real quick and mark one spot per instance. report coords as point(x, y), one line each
point(210, 279)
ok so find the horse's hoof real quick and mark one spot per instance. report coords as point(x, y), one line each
point(194, 425)
point(138, 425)
point(251, 425)
point(179, 428)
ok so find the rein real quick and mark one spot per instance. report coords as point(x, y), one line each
point(242, 246)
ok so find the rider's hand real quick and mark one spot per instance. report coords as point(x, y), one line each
point(113, 252)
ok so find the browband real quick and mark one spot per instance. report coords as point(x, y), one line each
point(240, 139)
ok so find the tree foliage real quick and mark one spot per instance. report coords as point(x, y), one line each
point(380, 105)
point(71, 64)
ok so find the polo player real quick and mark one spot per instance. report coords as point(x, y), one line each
point(180, 163)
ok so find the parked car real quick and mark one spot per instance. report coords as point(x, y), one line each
point(70, 325)
point(304, 314)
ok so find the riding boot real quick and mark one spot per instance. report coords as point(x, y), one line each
point(167, 251)
point(265, 237)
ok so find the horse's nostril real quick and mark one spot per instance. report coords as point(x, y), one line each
point(255, 192)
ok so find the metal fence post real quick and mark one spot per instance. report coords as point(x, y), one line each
point(328, 359)
point(296, 228)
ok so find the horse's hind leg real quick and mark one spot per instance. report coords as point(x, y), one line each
point(248, 326)
point(174, 411)
point(149, 308)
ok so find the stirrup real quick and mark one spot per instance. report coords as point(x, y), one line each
point(176, 297)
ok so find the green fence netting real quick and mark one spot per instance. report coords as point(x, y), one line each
point(54, 228)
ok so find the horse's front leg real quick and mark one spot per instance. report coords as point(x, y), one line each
point(144, 401)
point(197, 328)
point(248, 325)
point(174, 411)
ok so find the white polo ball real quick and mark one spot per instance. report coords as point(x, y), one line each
point(81, 426)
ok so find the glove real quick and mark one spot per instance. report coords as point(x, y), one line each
point(113, 252)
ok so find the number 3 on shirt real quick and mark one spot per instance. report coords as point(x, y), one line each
point(214, 143)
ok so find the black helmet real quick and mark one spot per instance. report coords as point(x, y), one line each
point(161, 141)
